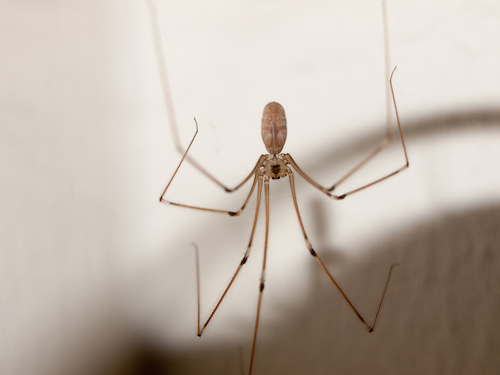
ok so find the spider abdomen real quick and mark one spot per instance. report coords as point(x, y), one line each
point(274, 127)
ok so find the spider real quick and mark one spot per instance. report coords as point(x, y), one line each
point(276, 165)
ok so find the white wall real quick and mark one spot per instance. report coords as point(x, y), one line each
point(92, 266)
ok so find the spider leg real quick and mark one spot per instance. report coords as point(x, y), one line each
point(388, 134)
point(323, 267)
point(230, 213)
point(406, 165)
point(160, 61)
point(243, 261)
point(327, 191)
point(262, 276)
point(383, 144)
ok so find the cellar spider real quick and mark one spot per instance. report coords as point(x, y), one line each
point(276, 165)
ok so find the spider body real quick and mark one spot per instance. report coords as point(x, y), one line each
point(276, 165)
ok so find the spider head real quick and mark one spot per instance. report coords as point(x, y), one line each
point(275, 167)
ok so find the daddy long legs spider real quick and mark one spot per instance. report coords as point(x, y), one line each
point(276, 165)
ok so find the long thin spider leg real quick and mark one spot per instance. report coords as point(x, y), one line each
point(326, 191)
point(382, 144)
point(182, 159)
point(315, 255)
point(231, 213)
point(383, 295)
point(263, 274)
point(388, 133)
point(160, 61)
point(243, 261)
point(257, 166)
point(406, 165)
point(197, 255)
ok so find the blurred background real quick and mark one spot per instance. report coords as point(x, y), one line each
point(96, 276)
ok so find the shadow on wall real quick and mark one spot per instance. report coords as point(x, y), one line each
point(440, 314)
point(413, 130)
